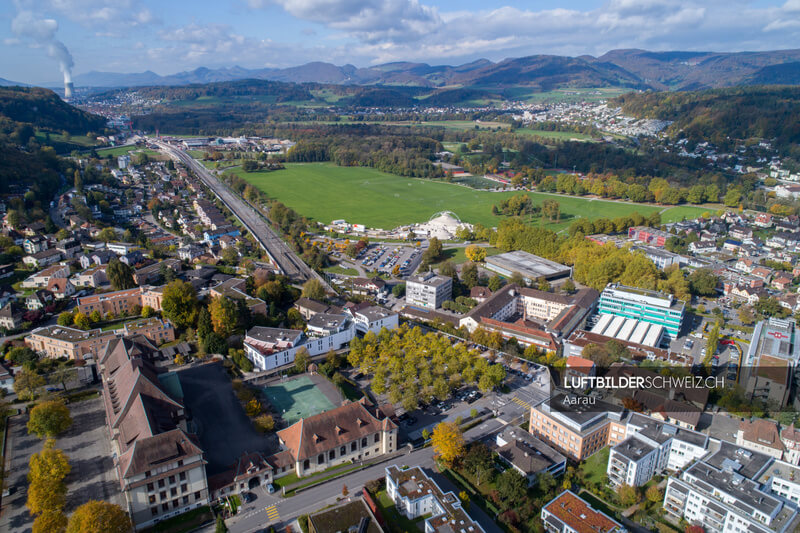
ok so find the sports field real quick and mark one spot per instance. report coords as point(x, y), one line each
point(297, 398)
point(326, 192)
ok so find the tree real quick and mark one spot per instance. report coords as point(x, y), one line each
point(469, 275)
point(147, 311)
point(48, 419)
point(568, 286)
point(61, 375)
point(204, 325)
point(99, 517)
point(80, 320)
point(179, 303)
point(119, 275)
point(22, 355)
point(543, 284)
point(495, 283)
point(95, 317)
point(627, 495)
point(399, 290)
point(313, 289)
point(301, 360)
point(517, 279)
point(26, 383)
point(65, 319)
point(448, 442)
point(224, 315)
point(253, 407)
point(264, 423)
point(434, 251)
point(77, 180)
point(653, 494)
point(46, 495)
point(703, 282)
point(50, 464)
point(53, 521)
point(746, 315)
point(107, 235)
point(230, 256)
point(512, 486)
point(475, 253)
point(220, 527)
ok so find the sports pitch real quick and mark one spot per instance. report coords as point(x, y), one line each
point(360, 195)
point(297, 398)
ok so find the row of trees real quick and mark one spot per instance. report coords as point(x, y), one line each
point(411, 366)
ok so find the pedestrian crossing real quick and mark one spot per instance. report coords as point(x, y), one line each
point(272, 513)
point(523, 403)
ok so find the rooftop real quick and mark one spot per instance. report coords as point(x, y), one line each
point(529, 265)
point(68, 334)
point(342, 518)
point(579, 515)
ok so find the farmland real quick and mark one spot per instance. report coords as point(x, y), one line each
point(325, 192)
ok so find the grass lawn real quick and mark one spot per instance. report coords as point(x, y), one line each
point(360, 195)
point(457, 255)
point(336, 269)
point(595, 466)
point(122, 150)
point(557, 135)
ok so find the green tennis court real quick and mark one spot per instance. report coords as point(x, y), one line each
point(297, 398)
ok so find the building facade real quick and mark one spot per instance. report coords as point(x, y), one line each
point(428, 290)
point(62, 341)
point(643, 305)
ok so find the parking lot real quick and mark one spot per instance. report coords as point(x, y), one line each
point(88, 448)
point(385, 258)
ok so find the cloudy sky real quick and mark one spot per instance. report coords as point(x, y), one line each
point(39, 37)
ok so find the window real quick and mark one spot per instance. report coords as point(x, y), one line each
point(184, 487)
point(147, 474)
point(320, 458)
point(163, 495)
point(363, 442)
point(154, 511)
point(173, 491)
point(306, 464)
point(160, 483)
point(353, 446)
point(171, 480)
point(197, 495)
point(342, 450)
point(174, 504)
point(182, 476)
point(332, 455)
point(377, 437)
point(185, 500)
point(150, 486)
point(180, 462)
point(165, 507)
point(152, 498)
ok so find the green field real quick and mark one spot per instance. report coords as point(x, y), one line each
point(557, 135)
point(326, 192)
point(122, 150)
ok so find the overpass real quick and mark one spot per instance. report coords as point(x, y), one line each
point(281, 255)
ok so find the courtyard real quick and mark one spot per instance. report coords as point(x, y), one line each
point(300, 397)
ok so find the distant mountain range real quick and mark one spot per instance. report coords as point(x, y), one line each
point(637, 69)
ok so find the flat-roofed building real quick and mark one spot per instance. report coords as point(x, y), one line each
point(415, 495)
point(568, 513)
point(644, 305)
point(62, 341)
point(528, 455)
point(722, 492)
point(565, 423)
point(767, 369)
point(121, 302)
point(372, 317)
point(531, 267)
point(155, 329)
point(428, 290)
point(350, 516)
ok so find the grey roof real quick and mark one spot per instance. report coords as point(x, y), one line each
point(327, 321)
point(660, 432)
point(273, 335)
point(633, 448)
point(529, 265)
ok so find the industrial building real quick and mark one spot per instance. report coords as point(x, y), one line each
point(532, 267)
point(642, 305)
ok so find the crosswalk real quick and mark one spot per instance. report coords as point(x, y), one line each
point(272, 513)
point(521, 402)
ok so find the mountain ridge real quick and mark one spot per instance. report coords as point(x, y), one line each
point(632, 68)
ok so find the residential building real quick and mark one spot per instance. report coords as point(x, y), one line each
point(159, 464)
point(42, 278)
point(155, 329)
point(428, 290)
point(643, 305)
point(790, 437)
point(343, 434)
point(415, 495)
point(213, 235)
point(121, 302)
point(39, 300)
point(234, 289)
point(92, 277)
point(652, 447)
point(6, 379)
point(651, 236)
point(43, 258)
point(9, 317)
point(721, 492)
point(367, 286)
point(308, 307)
point(531, 267)
point(69, 247)
point(573, 430)
point(568, 513)
point(767, 369)
point(760, 435)
point(153, 273)
point(660, 257)
point(61, 288)
point(367, 317)
point(351, 516)
point(528, 455)
point(62, 341)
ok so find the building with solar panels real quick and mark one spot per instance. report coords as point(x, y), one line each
point(770, 365)
point(641, 305)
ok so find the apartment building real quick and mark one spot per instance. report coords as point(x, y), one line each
point(121, 302)
point(159, 464)
point(62, 341)
point(234, 289)
point(652, 447)
point(415, 495)
point(348, 433)
point(568, 513)
point(428, 290)
point(643, 305)
point(575, 430)
point(722, 493)
point(372, 318)
point(760, 435)
point(767, 369)
point(41, 279)
point(528, 455)
point(155, 329)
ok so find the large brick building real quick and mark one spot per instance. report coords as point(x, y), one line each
point(121, 302)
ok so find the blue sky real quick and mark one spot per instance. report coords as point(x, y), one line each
point(37, 37)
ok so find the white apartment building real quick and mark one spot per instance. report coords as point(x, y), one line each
point(428, 290)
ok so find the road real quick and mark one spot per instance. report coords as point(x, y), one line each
point(273, 510)
point(279, 252)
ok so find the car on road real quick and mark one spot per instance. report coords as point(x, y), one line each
point(271, 488)
point(248, 497)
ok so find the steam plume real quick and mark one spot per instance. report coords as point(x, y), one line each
point(41, 33)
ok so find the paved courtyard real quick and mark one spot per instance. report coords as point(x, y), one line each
point(301, 397)
point(89, 450)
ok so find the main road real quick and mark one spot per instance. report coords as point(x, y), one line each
point(279, 252)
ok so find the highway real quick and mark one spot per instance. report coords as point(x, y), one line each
point(279, 252)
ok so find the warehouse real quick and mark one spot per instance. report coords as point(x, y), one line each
point(532, 267)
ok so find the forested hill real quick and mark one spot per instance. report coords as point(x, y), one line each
point(44, 109)
point(724, 116)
